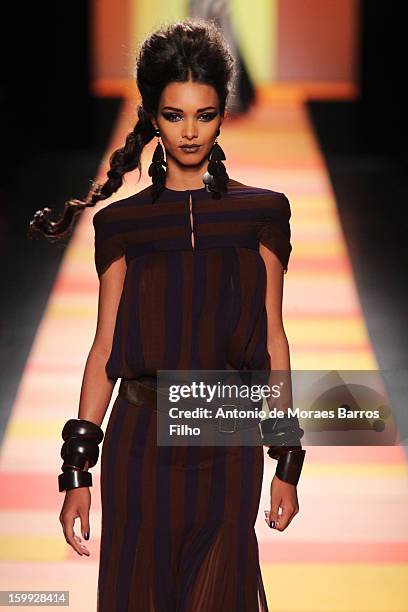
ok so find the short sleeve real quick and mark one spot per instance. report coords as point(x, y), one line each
point(274, 228)
point(109, 242)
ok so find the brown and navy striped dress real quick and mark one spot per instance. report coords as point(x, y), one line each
point(178, 522)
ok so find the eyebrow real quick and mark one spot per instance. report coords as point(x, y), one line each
point(180, 110)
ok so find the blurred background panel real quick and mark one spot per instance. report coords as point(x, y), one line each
point(320, 115)
point(280, 40)
point(317, 40)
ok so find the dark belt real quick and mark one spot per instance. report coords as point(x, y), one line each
point(139, 392)
point(143, 392)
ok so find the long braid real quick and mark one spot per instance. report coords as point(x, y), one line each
point(192, 49)
point(122, 160)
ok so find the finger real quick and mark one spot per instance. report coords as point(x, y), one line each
point(79, 547)
point(270, 523)
point(274, 513)
point(85, 528)
point(82, 546)
point(70, 537)
point(284, 518)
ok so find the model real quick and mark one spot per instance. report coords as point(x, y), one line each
point(191, 278)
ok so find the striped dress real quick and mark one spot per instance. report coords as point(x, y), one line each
point(178, 522)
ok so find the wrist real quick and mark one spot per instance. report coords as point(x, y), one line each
point(290, 464)
point(80, 452)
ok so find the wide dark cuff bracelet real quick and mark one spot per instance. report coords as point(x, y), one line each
point(72, 479)
point(77, 451)
point(289, 466)
point(283, 435)
point(82, 428)
point(281, 430)
point(81, 439)
point(290, 461)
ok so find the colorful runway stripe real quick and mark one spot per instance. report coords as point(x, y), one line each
point(347, 550)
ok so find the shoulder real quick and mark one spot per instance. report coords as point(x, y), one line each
point(120, 209)
point(237, 188)
point(113, 225)
point(261, 198)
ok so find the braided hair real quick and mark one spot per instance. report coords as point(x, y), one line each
point(190, 49)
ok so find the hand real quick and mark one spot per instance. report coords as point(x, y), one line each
point(283, 495)
point(76, 505)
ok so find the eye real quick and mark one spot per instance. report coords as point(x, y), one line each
point(209, 116)
point(170, 116)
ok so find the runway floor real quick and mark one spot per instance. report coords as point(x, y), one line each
point(347, 550)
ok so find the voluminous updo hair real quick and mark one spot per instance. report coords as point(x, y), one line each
point(192, 49)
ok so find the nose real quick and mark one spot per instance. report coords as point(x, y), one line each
point(189, 131)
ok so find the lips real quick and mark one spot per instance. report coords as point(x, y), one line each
point(190, 147)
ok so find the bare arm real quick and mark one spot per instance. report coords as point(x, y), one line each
point(282, 494)
point(277, 342)
point(96, 389)
point(278, 346)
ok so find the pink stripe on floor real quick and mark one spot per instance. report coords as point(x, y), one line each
point(332, 552)
point(17, 491)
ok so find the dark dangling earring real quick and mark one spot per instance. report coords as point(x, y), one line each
point(216, 177)
point(157, 168)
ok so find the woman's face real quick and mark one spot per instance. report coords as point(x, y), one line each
point(188, 114)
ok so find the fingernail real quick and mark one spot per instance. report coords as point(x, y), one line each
point(272, 524)
point(86, 535)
